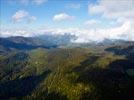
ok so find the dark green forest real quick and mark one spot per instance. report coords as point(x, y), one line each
point(75, 73)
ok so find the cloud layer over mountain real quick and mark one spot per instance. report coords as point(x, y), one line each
point(116, 21)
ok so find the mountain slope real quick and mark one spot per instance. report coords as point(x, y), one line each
point(76, 73)
point(21, 43)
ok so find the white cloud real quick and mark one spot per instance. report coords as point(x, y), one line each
point(124, 31)
point(19, 15)
point(22, 15)
point(120, 10)
point(92, 23)
point(15, 32)
point(62, 16)
point(113, 8)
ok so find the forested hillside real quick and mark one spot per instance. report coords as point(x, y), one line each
point(68, 74)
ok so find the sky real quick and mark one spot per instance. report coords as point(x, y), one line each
point(89, 20)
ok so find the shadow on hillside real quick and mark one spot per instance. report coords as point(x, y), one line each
point(21, 87)
point(122, 50)
point(110, 84)
point(122, 64)
point(83, 65)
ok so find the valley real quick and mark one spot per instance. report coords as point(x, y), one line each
point(69, 73)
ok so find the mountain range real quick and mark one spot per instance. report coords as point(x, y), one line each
point(54, 68)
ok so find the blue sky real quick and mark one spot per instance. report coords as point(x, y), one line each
point(44, 12)
point(84, 18)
